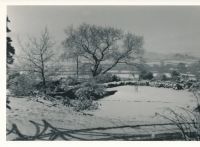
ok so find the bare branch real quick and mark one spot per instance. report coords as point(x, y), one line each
point(101, 44)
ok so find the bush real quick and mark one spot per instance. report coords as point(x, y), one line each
point(60, 85)
point(105, 78)
point(81, 97)
point(22, 85)
point(175, 75)
point(90, 90)
point(188, 120)
point(71, 81)
point(85, 94)
point(10, 78)
point(146, 75)
point(51, 86)
point(164, 78)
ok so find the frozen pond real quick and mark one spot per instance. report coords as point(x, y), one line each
point(141, 103)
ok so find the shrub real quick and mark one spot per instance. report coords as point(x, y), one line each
point(71, 81)
point(60, 85)
point(188, 120)
point(85, 94)
point(22, 85)
point(175, 75)
point(145, 75)
point(164, 78)
point(51, 86)
point(81, 97)
point(105, 78)
point(90, 90)
point(10, 78)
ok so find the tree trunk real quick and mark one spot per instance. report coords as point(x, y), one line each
point(95, 71)
point(43, 76)
point(94, 74)
point(77, 67)
point(44, 82)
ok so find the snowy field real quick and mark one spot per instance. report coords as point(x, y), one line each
point(130, 105)
point(142, 103)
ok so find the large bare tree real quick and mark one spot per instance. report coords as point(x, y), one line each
point(38, 55)
point(98, 46)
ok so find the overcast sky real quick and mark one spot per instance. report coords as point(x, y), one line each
point(166, 29)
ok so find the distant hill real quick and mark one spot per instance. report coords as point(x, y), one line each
point(153, 57)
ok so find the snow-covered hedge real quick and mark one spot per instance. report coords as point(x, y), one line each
point(159, 84)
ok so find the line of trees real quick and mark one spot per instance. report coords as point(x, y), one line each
point(10, 49)
point(10, 52)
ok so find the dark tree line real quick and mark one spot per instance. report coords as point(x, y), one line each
point(10, 49)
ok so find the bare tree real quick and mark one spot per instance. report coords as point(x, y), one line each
point(99, 45)
point(71, 51)
point(39, 55)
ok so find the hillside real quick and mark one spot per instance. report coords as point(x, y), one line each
point(156, 58)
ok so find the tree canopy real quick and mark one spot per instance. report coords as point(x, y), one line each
point(98, 45)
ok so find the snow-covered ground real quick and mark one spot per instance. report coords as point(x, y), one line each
point(141, 103)
point(130, 105)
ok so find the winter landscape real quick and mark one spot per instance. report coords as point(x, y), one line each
point(129, 73)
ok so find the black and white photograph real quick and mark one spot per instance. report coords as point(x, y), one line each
point(102, 73)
